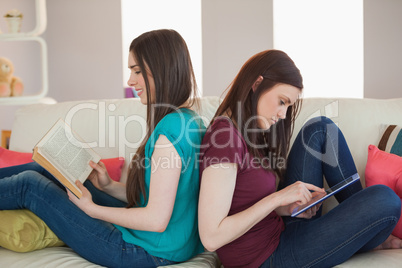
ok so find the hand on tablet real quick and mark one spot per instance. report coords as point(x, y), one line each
point(311, 212)
point(321, 195)
point(295, 195)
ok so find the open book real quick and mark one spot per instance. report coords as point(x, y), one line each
point(65, 156)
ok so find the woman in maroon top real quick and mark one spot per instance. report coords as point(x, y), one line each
point(245, 150)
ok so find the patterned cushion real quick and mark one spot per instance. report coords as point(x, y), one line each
point(391, 140)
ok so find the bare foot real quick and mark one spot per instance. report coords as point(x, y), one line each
point(392, 242)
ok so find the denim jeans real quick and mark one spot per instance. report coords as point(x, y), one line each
point(362, 220)
point(30, 186)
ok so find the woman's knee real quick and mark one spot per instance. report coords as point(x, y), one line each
point(29, 173)
point(33, 177)
point(385, 199)
point(320, 122)
point(319, 128)
point(34, 167)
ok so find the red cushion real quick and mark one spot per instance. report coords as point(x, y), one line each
point(114, 167)
point(385, 168)
point(11, 158)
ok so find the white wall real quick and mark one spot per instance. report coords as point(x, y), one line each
point(313, 35)
point(158, 18)
point(232, 31)
point(85, 43)
point(382, 49)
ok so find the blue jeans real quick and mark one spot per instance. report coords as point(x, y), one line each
point(363, 219)
point(30, 186)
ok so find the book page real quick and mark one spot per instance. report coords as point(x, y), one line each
point(69, 155)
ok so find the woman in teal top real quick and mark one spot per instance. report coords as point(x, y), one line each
point(180, 239)
point(152, 219)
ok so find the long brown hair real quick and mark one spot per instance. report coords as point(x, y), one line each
point(240, 104)
point(166, 55)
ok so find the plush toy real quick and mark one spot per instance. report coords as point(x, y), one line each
point(9, 84)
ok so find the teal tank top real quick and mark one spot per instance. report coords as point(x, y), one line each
point(180, 241)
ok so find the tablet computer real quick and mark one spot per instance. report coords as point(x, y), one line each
point(322, 196)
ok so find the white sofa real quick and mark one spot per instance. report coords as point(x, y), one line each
point(116, 126)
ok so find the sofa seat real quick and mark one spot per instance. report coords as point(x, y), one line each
point(65, 257)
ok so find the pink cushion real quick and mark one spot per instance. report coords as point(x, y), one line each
point(385, 168)
point(113, 167)
point(11, 158)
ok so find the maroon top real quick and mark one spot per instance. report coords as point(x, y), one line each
point(223, 143)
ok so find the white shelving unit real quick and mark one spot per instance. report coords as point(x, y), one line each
point(41, 21)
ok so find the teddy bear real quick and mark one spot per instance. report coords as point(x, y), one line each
point(9, 84)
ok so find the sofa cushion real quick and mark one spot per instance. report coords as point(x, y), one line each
point(23, 231)
point(114, 167)
point(11, 158)
point(385, 168)
point(391, 140)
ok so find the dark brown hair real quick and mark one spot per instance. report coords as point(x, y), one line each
point(240, 104)
point(166, 55)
